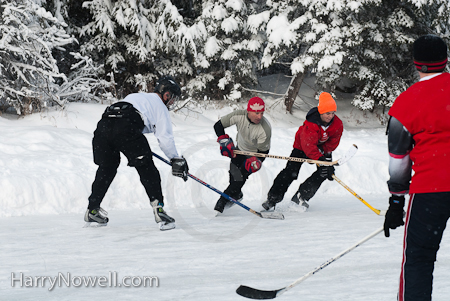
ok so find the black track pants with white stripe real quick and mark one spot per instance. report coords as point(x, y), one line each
point(426, 219)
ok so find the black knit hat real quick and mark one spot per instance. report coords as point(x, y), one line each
point(430, 54)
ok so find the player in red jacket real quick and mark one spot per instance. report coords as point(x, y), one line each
point(419, 140)
point(315, 139)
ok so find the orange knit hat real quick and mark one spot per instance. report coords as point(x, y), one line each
point(326, 103)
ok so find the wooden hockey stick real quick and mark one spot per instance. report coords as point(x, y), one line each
point(341, 161)
point(377, 211)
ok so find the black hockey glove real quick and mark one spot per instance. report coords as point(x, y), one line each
point(394, 215)
point(180, 168)
point(326, 171)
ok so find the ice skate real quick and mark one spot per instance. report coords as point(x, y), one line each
point(297, 202)
point(223, 204)
point(164, 221)
point(271, 203)
point(96, 217)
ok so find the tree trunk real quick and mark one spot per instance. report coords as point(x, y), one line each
point(292, 91)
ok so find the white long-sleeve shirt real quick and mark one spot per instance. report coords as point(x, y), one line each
point(156, 120)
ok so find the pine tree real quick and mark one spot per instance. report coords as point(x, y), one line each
point(138, 41)
point(28, 70)
point(305, 35)
point(378, 37)
point(226, 62)
point(367, 42)
point(86, 78)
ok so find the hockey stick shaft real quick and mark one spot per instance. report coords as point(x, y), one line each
point(327, 263)
point(239, 152)
point(262, 215)
point(253, 293)
point(341, 161)
point(377, 211)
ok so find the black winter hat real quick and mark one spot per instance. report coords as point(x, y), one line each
point(430, 54)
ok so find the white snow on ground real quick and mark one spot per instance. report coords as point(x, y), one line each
point(46, 171)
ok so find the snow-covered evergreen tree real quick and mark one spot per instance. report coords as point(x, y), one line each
point(366, 41)
point(226, 62)
point(214, 48)
point(28, 70)
point(304, 34)
point(138, 40)
point(378, 37)
point(86, 78)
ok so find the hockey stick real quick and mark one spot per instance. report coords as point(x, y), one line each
point(270, 215)
point(341, 161)
point(377, 211)
point(254, 293)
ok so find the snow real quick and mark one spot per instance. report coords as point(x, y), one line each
point(219, 12)
point(46, 170)
point(354, 5)
point(279, 31)
point(297, 66)
point(236, 5)
point(212, 46)
point(229, 25)
point(254, 22)
point(229, 54)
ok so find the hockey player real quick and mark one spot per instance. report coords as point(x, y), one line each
point(319, 135)
point(253, 135)
point(120, 130)
point(419, 140)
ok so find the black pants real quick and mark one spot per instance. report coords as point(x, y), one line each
point(122, 132)
point(426, 220)
point(289, 174)
point(238, 177)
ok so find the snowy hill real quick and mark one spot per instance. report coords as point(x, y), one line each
point(47, 170)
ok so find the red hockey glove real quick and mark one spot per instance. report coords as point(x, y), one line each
point(226, 146)
point(252, 164)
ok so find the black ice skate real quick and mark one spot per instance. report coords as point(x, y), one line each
point(164, 221)
point(267, 205)
point(223, 204)
point(297, 199)
point(96, 217)
point(271, 202)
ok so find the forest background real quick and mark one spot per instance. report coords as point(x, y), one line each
point(57, 51)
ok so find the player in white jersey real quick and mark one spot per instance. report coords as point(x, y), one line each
point(121, 130)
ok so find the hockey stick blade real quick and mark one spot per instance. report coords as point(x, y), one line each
point(272, 215)
point(350, 153)
point(253, 293)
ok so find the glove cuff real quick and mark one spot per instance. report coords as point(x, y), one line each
point(397, 201)
point(223, 137)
